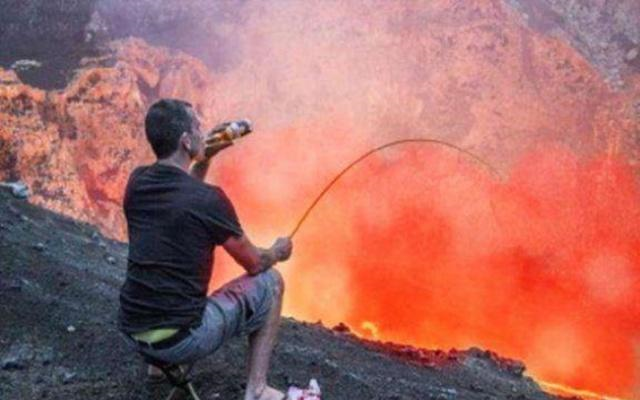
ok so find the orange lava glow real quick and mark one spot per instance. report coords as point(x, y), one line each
point(419, 242)
point(370, 330)
point(562, 390)
point(420, 246)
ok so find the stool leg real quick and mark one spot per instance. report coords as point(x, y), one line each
point(185, 371)
point(192, 391)
point(172, 393)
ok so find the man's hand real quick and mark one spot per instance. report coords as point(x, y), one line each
point(213, 147)
point(254, 259)
point(282, 248)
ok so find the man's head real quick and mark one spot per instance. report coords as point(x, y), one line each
point(172, 126)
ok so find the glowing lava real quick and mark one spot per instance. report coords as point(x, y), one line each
point(430, 250)
point(563, 390)
point(543, 266)
point(370, 329)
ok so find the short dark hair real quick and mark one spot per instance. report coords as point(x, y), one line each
point(165, 122)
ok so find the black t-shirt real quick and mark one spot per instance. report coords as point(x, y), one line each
point(174, 222)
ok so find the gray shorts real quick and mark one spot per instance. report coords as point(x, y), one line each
point(239, 307)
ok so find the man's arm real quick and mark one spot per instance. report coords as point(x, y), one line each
point(255, 259)
point(199, 168)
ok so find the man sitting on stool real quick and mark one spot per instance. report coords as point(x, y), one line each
point(175, 221)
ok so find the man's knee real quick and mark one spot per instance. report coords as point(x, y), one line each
point(279, 282)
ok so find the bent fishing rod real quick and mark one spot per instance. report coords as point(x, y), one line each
point(364, 156)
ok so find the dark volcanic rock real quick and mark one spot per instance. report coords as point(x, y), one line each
point(49, 38)
point(61, 342)
point(50, 33)
point(198, 27)
point(605, 32)
point(44, 41)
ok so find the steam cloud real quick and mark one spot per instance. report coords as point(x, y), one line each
point(424, 244)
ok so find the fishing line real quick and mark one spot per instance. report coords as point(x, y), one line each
point(376, 150)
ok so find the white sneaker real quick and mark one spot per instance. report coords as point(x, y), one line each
point(310, 393)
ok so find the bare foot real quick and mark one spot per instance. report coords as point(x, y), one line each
point(268, 393)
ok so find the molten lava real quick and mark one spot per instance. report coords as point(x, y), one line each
point(423, 244)
point(419, 246)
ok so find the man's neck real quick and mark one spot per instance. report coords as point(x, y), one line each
point(197, 170)
point(176, 161)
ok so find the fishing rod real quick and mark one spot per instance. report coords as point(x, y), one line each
point(376, 150)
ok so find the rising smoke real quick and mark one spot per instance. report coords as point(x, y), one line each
point(423, 245)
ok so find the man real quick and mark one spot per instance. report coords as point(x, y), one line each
point(175, 221)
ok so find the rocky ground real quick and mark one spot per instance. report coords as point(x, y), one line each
point(59, 281)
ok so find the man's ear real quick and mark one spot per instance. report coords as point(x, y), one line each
point(186, 143)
